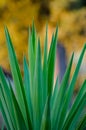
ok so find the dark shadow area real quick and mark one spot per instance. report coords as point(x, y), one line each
point(82, 32)
point(2, 11)
point(61, 52)
point(35, 1)
point(75, 5)
point(44, 10)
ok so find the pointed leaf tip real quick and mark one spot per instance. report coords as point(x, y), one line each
point(85, 81)
point(6, 30)
point(56, 30)
point(85, 45)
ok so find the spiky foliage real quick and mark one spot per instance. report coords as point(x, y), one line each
point(32, 103)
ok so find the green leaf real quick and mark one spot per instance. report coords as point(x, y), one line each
point(70, 89)
point(54, 93)
point(51, 62)
point(5, 111)
point(27, 88)
point(77, 101)
point(19, 116)
point(31, 62)
point(60, 97)
point(45, 70)
point(8, 98)
point(82, 124)
point(46, 117)
point(72, 119)
point(38, 90)
point(34, 39)
point(19, 87)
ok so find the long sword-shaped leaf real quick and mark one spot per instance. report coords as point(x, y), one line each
point(19, 88)
point(44, 118)
point(27, 88)
point(71, 88)
point(5, 116)
point(60, 96)
point(45, 70)
point(54, 93)
point(38, 90)
point(51, 62)
point(82, 124)
point(78, 98)
point(46, 121)
point(72, 120)
point(8, 98)
point(34, 39)
point(31, 62)
point(5, 112)
point(19, 116)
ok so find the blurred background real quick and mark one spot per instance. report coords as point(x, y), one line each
point(69, 15)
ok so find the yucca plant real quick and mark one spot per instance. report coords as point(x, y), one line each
point(34, 102)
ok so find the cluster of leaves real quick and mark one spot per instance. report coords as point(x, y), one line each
point(35, 103)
